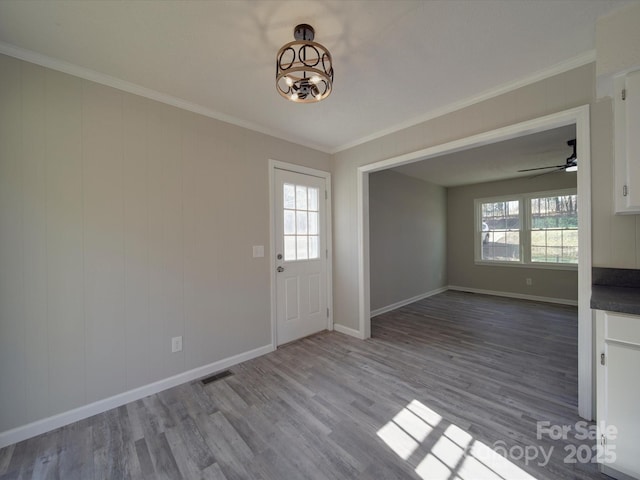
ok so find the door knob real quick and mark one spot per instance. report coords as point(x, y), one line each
point(280, 269)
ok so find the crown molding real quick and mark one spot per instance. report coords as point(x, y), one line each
point(562, 67)
point(104, 79)
point(117, 83)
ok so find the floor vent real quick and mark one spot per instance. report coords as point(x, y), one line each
point(216, 376)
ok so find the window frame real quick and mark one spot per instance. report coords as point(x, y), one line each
point(525, 230)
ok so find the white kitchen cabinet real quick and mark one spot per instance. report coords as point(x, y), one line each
point(627, 143)
point(618, 393)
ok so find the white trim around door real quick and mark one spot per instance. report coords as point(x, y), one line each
point(579, 117)
point(278, 165)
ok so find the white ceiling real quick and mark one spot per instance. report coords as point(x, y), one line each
point(497, 161)
point(396, 61)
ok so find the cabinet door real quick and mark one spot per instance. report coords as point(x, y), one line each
point(627, 143)
point(619, 391)
point(632, 100)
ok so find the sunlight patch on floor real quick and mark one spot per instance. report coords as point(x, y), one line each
point(409, 428)
point(455, 455)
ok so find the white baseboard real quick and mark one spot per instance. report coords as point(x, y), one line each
point(402, 303)
point(24, 432)
point(521, 296)
point(347, 331)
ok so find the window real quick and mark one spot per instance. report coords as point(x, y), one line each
point(501, 231)
point(534, 229)
point(554, 229)
point(301, 235)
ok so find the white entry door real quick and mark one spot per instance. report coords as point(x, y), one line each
point(301, 259)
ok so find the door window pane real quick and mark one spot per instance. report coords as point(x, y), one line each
point(289, 248)
point(313, 223)
point(289, 222)
point(289, 195)
point(313, 199)
point(313, 247)
point(302, 252)
point(301, 222)
point(301, 197)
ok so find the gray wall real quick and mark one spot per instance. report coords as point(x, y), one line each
point(616, 238)
point(618, 40)
point(123, 222)
point(463, 271)
point(407, 228)
point(570, 89)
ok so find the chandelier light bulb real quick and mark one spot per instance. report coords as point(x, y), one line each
point(304, 68)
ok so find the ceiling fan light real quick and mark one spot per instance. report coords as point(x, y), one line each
point(288, 81)
point(571, 168)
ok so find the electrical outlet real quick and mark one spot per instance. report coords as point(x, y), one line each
point(176, 344)
point(529, 282)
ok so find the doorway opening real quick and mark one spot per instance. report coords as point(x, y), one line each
point(580, 118)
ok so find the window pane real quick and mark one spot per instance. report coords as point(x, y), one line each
point(301, 197)
point(512, 246)
point(301, 219)
point(501, 215)
point(313, 199)
point(502, 246)
point(289, 248)
point(538, 253)
point(554, 223)
point(538, 238)
point(289, 222)
point(555, 212)
point(500, 231)
point(289, 196)
point(301, 223)
point(313, 247)
point(570, 254)
point(512, 214)
point(313, 223)
point(302, 247)
point(570, 238)
point(554, 237)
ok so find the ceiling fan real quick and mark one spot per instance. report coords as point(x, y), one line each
point(571, 164)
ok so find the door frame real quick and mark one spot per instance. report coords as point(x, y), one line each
point(278, 165)
point(579, 117)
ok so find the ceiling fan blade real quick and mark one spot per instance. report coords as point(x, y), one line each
point(547, 173)
point(542, 168)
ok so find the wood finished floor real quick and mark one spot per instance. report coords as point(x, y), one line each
point(318, 407)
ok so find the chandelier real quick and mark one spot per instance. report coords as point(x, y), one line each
point(304, 70)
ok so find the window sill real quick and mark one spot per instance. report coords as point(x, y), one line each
point(540, 266)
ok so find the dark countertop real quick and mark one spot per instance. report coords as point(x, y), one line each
point(616, 299)
point(616, 290)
